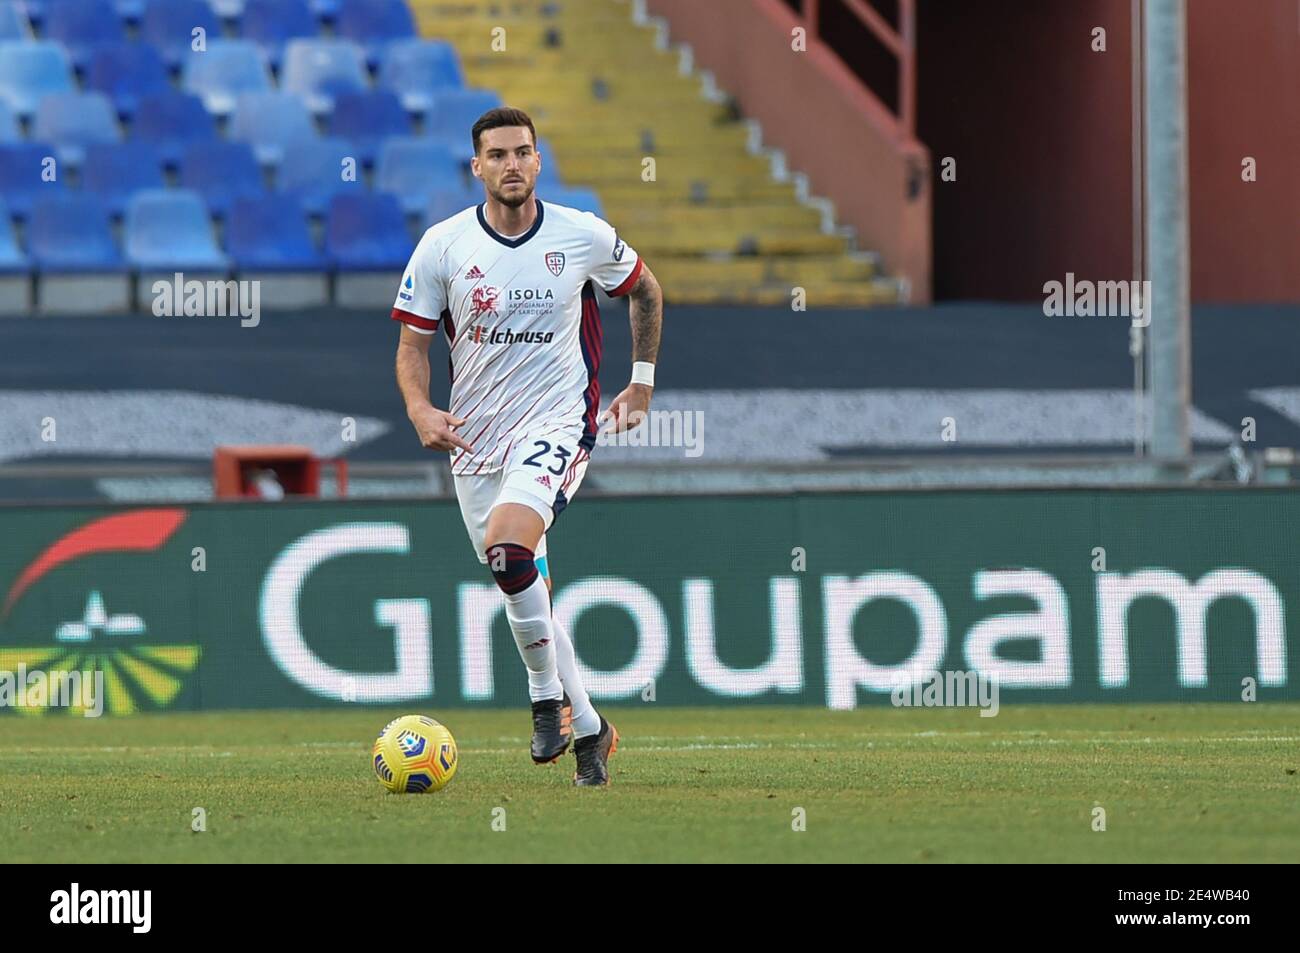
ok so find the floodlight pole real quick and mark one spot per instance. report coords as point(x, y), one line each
point(1165, 69)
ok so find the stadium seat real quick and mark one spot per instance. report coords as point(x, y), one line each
point(113, 171)
point(271, 234)
point(79, 268)
point(269, 242)
point(173, 121)
point(374, 24)
point(228, 9)
point(317, 70)
point(269, 122)
point(169, 230)
point(367, 118)
point(130, 10)
point(412, 168)
point(12, 258)
point(24, 175)
point(417, 69)
point(273, 23)
point(82, 26)
point(327, 10)
point(444, 204)
point(224, 70)
point(549, 174)
point(30, 70)
point(584, 200)
point(313, 172)
point(70, 231)
point(221, 172)
point(169, 25)
point(15, 271)
point(126, 73)
point(455, 111)
point(9, 130)
point(74, 120)
point(13, 22)
point(367, 232)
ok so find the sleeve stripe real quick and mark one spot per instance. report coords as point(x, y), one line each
point(628, 282)
point(415, 320)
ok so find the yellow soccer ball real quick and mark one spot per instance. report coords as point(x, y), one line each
point(414, 755)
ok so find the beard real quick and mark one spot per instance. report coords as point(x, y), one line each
point(513, 201)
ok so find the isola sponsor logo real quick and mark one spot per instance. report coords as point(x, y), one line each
point(482, 334)
point(90, 630)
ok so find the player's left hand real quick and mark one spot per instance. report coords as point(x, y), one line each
point(628, 409)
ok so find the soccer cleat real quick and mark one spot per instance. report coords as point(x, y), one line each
point(552, 729)
point(593, 754)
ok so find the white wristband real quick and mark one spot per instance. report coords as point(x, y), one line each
point(643, 372)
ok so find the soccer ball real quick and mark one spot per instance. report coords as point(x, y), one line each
point(414, 755)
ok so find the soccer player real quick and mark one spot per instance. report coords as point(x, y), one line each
point(510, 283)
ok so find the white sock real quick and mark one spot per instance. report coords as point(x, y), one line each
point(529, 613)
point(586, 721)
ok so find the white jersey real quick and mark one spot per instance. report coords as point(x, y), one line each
point(521, 320)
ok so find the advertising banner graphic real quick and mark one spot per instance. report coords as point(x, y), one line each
point(835, 600)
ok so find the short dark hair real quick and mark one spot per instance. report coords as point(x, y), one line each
point(499, 117)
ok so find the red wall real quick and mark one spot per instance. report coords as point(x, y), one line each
point(813, 108)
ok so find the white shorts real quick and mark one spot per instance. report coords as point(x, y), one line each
point(542, 473)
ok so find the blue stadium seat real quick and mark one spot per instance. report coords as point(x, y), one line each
point(445, 204)
point(221, 172)
point(549, 174)
point(24, 175)
point(273, 23)
point(455, 111)
point(317, 70)
point(73, 121)
point(224, 70)
point(169, 230)
point(168, 25)
point(13, 22)
point(312, 172)
point(269, 122)
point(126, 73)
point(30, 70)
point(584, 200)
point(9, 130)
point(70, 232)
point(367, 232)
point(417, 69)
point(82, 26)
point(130, 10)
point(327, 10)
point(12, 259)
point(374, 24)
point(35, 10)
point(115, 171)
point(271, 234)
point(413, 168)
point(367, 118)
point(173, 121)
point(228, 9)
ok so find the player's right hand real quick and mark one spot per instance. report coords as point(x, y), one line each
point(437, 429)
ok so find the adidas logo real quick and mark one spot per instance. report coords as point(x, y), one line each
point(544, 481)
point(474, 273)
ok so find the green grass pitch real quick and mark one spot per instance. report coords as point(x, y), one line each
point(1178, 783)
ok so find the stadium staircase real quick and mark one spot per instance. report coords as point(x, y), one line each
point(715, 222)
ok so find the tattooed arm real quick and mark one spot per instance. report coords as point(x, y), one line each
point(646, 313)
